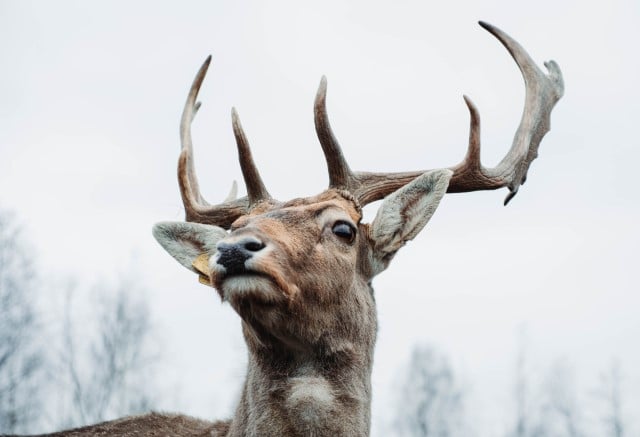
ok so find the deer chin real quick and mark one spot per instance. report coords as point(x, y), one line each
point(255, 287)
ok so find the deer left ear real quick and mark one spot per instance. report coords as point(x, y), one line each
point(189, 242)
point(404, 213)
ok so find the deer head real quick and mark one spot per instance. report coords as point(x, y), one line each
point(299, 272)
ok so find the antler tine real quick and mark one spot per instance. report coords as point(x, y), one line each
point(542, 93)
point(196, 208)
point(256, 191)
point(187, 179)
point(340, 175)
point(233, 192)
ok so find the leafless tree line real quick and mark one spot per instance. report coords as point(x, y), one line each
point(432, 397)
point(108, 374)
point(432, 400)
point(86, 360)
point(554, 404)
point(21, 358)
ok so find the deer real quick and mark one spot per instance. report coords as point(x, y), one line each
point(299, 273)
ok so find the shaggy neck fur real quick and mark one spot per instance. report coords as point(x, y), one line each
point(320, 393)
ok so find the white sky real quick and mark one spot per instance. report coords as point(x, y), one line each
point(91, 95)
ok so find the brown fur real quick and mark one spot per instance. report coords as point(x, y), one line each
point(311, 345)
point(149, 425)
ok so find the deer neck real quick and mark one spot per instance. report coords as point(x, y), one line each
point(289, 391)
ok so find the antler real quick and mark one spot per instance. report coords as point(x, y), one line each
point(196, 207)
point(542, 93)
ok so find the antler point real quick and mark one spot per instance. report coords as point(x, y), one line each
point(485, 25)
point(322, 88)
point(468, 101)
point(510, 196)
point(206, 63)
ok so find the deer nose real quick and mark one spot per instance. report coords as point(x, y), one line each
point(232, 255)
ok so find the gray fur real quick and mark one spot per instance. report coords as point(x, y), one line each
point(185, 241)
point(405, 212)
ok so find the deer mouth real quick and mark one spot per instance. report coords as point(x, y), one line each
point(262, 280)
point(243, 276)
point(248, 285)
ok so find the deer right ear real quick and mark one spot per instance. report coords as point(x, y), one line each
point(187, 241)
point(404, 213)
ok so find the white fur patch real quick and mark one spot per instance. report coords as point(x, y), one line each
point(248, 285)
point(311, 399)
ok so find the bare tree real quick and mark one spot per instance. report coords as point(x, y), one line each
point(106, 358)
point(610, 394)
point(21, 362)
point(105, 364)
point(521, 388)
point(529, 418)
point(432, 399)
point(560, 409)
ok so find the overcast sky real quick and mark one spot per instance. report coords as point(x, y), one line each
point(90, 99)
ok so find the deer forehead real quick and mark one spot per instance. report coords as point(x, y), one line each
point(299, 214)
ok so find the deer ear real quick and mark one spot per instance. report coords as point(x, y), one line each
point(186, 242)
point(404, 213)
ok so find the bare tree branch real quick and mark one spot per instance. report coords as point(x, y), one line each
point(610, 393)
point(110, 374)
point(431, 397)
point(21, 362)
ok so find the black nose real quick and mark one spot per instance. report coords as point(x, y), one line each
point(233, 255)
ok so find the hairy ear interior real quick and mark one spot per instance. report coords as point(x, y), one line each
point(404, 213)
point(187, 241)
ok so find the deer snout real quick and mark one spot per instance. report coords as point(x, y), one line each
point(232, 255)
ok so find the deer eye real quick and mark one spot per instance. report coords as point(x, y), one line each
point(345, 231)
